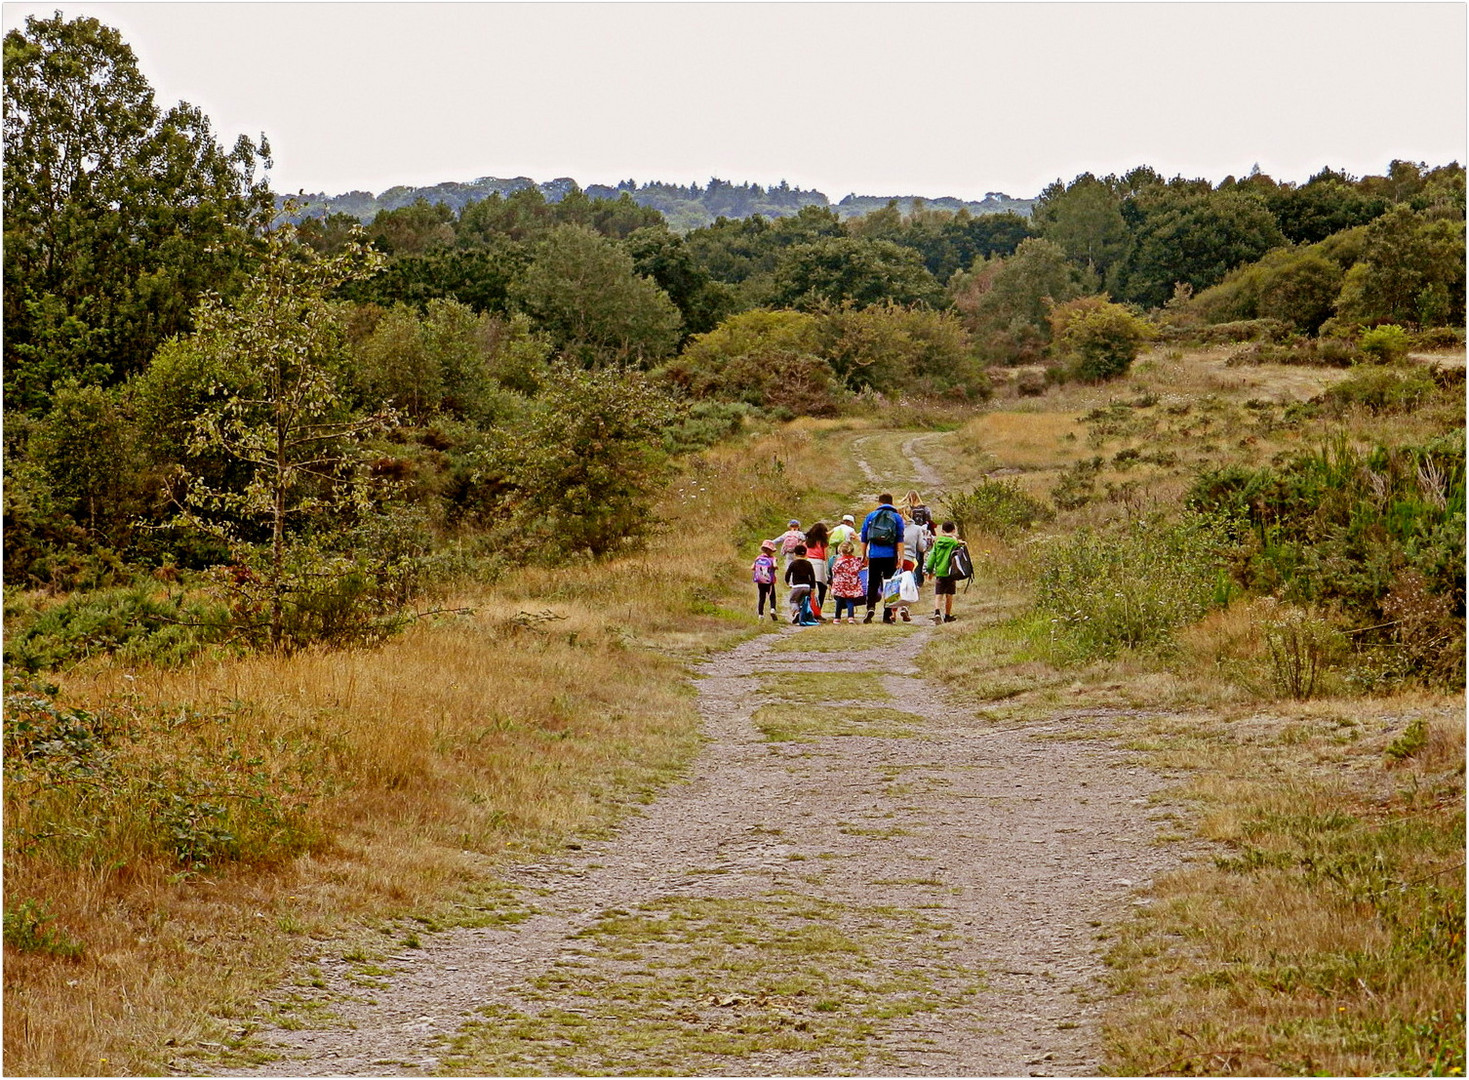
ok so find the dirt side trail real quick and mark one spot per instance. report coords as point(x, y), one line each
point(857, 877)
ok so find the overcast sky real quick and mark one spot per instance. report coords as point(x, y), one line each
point(873, 98)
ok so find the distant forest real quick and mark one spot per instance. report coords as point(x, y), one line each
point(684, 207)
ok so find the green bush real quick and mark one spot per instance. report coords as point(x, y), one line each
point(1097, 339)
point(1130, 587)
point(1380, 390)
point(132, 623)
point(1386, 344)
point(996, 506)
point(1376, 535)
point(26, 931)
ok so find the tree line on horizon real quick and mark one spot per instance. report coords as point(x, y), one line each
point(683, 206)
point(440, 351)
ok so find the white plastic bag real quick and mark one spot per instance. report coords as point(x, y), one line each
point(907, 588)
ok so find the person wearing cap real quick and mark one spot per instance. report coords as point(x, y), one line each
point(762, 572)
point(847, 530)
point(786, 542)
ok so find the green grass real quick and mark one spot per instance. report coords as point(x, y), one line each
point(821, 686)
point(806, 723)
point(686, 986)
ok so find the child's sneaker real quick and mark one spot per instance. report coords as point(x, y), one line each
point(904, 613)
point(938, 617)
point(951, 618)
point(774, 617)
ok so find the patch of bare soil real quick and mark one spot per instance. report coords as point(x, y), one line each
point(920, 892)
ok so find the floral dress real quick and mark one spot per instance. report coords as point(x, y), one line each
point(846, 578)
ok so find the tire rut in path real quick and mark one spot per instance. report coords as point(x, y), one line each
point(920, 473)
point(1019, 841)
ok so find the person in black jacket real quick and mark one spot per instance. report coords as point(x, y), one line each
point(802, 579)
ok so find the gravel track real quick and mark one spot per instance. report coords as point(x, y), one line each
point(1020, 840)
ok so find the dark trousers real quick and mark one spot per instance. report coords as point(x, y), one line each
point(878, 570)
point(767, 592)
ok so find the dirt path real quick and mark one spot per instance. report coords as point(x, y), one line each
point(900, 449)
point(858, 877)
point(957, 875)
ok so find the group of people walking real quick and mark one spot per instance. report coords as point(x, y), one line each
point(882, 564)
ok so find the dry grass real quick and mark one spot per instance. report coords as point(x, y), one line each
point(1028, 439)
point(1324, 935)
point(411, 771)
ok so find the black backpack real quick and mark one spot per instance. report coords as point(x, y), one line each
point(921, 516)
point(961, 566)
point(883, 530)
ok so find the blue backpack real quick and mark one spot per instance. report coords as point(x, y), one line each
point(883, 529)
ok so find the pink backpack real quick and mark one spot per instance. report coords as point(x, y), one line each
point(764, 570)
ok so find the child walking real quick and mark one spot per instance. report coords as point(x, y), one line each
point(801, 579)
point(846, 580)
point(762, 572)
point(939, 558)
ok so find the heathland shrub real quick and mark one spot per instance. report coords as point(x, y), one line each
point(1301, 645)
point(1243, 330)
point(996, 506)
point(1375, 535)
point(134, 623)
point(1385, 344)
point(1380, 390)
point(1132, 586)
point(1311, 352)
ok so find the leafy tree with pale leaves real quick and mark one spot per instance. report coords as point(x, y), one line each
point(278, 410)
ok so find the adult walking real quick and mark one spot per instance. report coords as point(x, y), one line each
point(882, 541)
point(918, 536)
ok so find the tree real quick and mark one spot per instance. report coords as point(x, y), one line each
point(1096, 338)
point(281, 414)
point(841, 270)
point(1004, 302)
point(414, 229)
point(1326, 204)
point(664, 258)
point(1412, 270)
point(1085, 219)
point(1195, 238)
point(893, 349)
point(117, 217)
point(583, 290)
point(85, 447)
point(584, 465)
